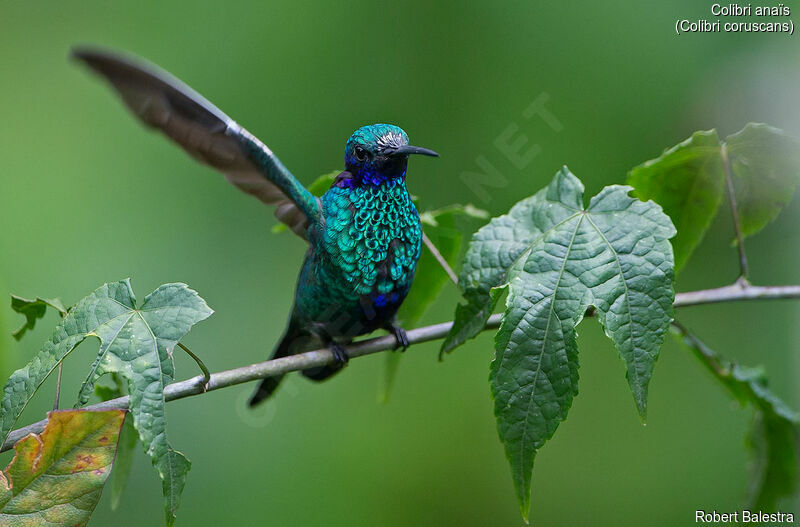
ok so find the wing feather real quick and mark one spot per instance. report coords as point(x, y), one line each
point(163, 102)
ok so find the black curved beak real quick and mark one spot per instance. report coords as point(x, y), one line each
point(408, 150)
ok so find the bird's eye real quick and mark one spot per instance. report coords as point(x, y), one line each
point(360, 153)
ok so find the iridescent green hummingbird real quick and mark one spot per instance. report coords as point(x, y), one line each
point(364, 234)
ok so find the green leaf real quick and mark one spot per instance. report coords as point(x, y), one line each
point(765, 165)
point(774, 437)
point(440, 227)
point(688, 181)
point(33, 310)
point(557, 258)
point(318, 187)
point(56, 478)
point(135, 342)
point(138, 344)
point(774, 445)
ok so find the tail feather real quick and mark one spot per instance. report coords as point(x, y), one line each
point(268, 386)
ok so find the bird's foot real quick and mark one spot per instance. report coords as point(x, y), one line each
point(401, 338)
point(340, 356)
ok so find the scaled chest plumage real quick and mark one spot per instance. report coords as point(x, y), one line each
point(366, 256)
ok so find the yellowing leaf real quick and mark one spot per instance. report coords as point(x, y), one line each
point(56, 478)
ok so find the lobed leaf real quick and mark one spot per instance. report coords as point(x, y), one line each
point(556, 258)
point(136, 343)
point(56, 478)
point(774, 437)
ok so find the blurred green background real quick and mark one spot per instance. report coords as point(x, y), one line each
point(87, 197)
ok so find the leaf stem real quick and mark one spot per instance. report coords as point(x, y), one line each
point(737, 225)
point(63, 312)
point(323, 357)
point(701, 351)
point(200, 364)
point(439, 258)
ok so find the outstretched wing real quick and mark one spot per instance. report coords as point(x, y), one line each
point(163, 102)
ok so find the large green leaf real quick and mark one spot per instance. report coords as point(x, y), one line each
point(557, 258)
point(774, 438)
point(56, 478)
point(135, 342)
point(440, 226)
point(688, 181)
point(33, 309)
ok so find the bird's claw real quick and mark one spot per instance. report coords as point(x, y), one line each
point(340, 356)
point(401, 337)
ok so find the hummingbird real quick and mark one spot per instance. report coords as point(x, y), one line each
point(364, 234)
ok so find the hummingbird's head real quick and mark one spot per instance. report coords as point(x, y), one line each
point(379, 152)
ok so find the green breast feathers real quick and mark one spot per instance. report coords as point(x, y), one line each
point(372, 238)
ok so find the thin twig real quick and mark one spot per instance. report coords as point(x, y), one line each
point(737, 225)
point(734, 292)
point(323, 357)
point(439, 258)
